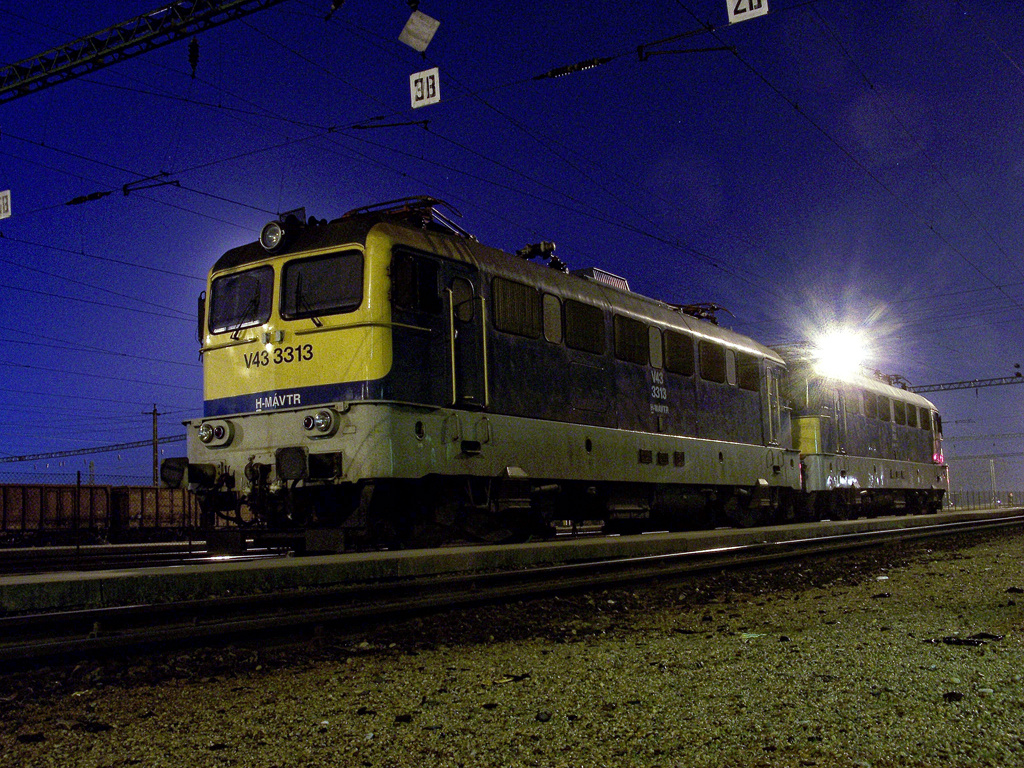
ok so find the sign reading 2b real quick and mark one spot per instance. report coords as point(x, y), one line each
point(741, 10)
point(425, 88)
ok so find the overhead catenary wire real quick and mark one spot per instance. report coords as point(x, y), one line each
point(853, 159)
point(92, 286)
point(80, 300)
point(977, 220)
point(86, 374)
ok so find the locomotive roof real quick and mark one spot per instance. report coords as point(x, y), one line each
point(570, 286)
point(428, 236)
point(896, 393)
point(799, 361)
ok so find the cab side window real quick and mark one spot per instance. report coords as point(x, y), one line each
point(414, 283)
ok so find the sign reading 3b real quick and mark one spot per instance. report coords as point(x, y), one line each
point(741, 10)
point(425, 88)
point(5, 204)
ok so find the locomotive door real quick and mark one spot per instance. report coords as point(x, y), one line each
point(467, 336)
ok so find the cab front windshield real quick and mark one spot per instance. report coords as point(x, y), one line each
point(241, 300)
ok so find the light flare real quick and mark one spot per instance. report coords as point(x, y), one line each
point(839, 354)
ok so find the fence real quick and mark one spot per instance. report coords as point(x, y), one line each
point(965, 500)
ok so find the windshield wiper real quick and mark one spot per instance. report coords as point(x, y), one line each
point(301, 305)
point(250, 311)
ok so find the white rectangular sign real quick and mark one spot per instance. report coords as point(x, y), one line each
point(419, 31)
point(741, 10)
point(5, 204)
point(425, 88)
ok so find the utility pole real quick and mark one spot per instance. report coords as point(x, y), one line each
point(156, 450)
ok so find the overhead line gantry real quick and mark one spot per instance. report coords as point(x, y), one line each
point(972, 384)
point(134, 37)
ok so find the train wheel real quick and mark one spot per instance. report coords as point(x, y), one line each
point(739, 511)
point(807, 507)
point(841, 505)
point(787, 511)
point(496, 510)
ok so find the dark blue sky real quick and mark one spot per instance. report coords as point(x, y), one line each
point(844, 162)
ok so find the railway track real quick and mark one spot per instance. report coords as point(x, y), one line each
point(102, 630)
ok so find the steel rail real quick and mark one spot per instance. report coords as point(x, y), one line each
point(92, 631)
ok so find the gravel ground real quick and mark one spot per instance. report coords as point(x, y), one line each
point(907, 656)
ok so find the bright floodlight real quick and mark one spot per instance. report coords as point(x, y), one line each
point(839, 354)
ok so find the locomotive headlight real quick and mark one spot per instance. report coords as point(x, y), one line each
point(323, 421)
point(216, 434)
point(272, 236)
point(308, 423)
point(840, 353)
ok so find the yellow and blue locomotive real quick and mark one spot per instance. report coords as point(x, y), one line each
point(866, 445)
point(386, 375)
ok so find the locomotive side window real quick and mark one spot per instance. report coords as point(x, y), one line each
point(899, 412)
point(655, 348)
point(853, 401)
point(241, 300)
point(870, 405)
point(884, 412)
point(748, 375)
point(552, 318)
point(414, 283)
point(911, 415)
point(937, 422)
point(584, 327)
point(926, 419)
point(322, 285)
point(517, 308)
point(631, 340)
point(712, 361)
point(678, 353)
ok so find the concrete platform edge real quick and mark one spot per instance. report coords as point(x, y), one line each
point(81, 590)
